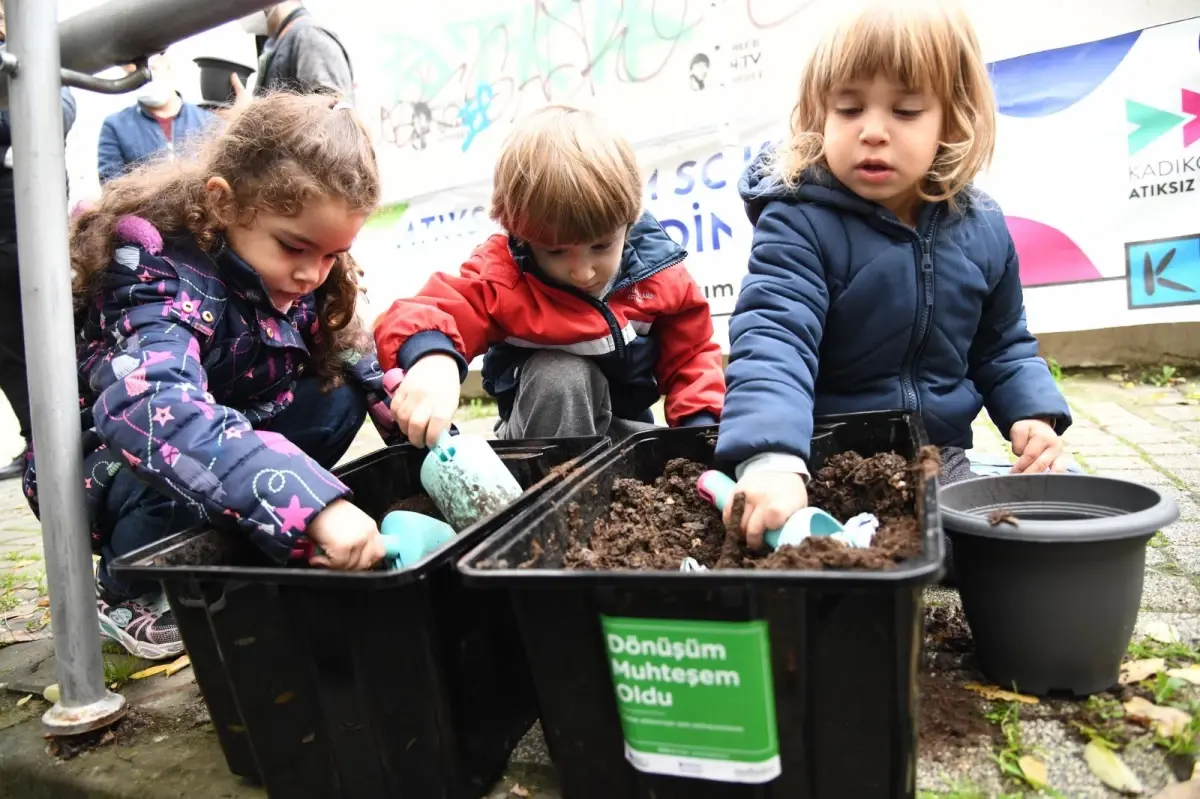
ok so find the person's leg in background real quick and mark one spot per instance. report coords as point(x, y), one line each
point(562, 395)
point(13, 379)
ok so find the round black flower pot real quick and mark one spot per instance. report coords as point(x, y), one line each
point(1050, 571)
point(215, 73)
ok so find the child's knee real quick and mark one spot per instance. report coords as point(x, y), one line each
point(559, 372)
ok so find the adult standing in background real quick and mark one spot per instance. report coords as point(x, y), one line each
point(299, 55)
point(159, 120)
point(13, 380)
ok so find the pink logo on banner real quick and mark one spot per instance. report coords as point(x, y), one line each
point(1048, 255)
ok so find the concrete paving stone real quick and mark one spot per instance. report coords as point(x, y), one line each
point(1175, 448)
point(1169, 593)
point(1187, 625)
point(1190, 477)
point(1155, 556)
point(1089, 437)
point(1148, 435)
point(1146, 476)
point(1104, 464)
point(1183, 534)
point(1191, 427)
point(1177, 463)
point(1179, 413)
point(1102, 450)
point(1188, 558)
point(1107, 413)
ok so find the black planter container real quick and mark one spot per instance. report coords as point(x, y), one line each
point(840, 648)
point(346, 685)
point(215, 86)
point(1052, 599)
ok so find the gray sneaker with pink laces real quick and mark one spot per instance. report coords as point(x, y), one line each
point(145, 626)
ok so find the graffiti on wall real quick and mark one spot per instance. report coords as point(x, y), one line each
point(471, 74)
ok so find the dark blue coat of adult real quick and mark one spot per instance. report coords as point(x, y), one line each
point(846, 308)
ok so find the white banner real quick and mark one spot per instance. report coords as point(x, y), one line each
point(1096, 164)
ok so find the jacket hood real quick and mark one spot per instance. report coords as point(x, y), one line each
point(760, 184)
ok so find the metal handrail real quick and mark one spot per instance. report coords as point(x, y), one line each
point(41, 55)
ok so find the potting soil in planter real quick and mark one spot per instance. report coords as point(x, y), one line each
point(654, 527)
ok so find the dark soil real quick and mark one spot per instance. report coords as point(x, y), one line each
point(654, 527)
point(951, 716)
point(418, 503)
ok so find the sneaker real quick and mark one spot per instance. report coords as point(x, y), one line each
point(14, 469)
point(144, 626)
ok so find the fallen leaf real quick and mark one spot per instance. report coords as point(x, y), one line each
point(24, 700)
point(1167, 721)
point(150, 672)
point(1034, 770)
point(1188, 673)
point(1111, 769)
point(51, 694)
point(517, 790)
point(1180, 790)
point(1138, 670)
point(43, 603)
point(996, 693)
point(1162, 632)
point(178, 665)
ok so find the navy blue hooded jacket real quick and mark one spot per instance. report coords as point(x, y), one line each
point(930, 319)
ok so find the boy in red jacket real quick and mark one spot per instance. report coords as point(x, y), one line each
point(585, 309)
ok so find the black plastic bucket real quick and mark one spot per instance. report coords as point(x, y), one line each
point(826, 662)
point(1050, 571)
point(340, 685)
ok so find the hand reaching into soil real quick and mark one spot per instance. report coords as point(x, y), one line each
point(348, 538)
point(1037, 447)
point(771, 499)
point(425, 401)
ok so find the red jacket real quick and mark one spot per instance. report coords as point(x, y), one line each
point(500, 304)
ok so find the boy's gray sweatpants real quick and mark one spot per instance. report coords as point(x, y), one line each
point(560, 395)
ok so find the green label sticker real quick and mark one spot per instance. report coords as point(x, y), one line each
point(695, 697)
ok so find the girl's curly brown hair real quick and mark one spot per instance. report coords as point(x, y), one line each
point(277, 154)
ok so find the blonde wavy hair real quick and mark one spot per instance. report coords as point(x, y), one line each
point(920, 44)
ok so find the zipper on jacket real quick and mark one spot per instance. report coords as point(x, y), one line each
point(601, 305)
point(923, 249)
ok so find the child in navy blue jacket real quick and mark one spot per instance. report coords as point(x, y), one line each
point(879, 278)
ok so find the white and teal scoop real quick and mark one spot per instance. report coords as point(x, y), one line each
point(409, 536)
point(467, 480)
point(717, 488)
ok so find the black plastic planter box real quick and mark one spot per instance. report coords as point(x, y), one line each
point(371, 684)
point(808, 679)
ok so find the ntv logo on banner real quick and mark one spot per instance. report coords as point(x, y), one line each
point(1165, 176)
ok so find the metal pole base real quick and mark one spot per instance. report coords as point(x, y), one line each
point(63, 721)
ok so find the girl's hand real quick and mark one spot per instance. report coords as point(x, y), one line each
point(1037, 447)
point(771, 499)
point(348, 538)
point(426, 400)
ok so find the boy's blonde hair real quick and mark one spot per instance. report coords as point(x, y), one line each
point(565, 177)
point(920, 44)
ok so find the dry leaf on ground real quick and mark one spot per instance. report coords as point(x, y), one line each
point(1138, 670)
point(996, 693)
point(1162, 632)
point(166, 669)
point(1111, 769)
point(24, 700)
point(517, 790)
point(150, 672)
point(1167, 721)
point(178, 665)
point(1189, 674)
point(1034, 770)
